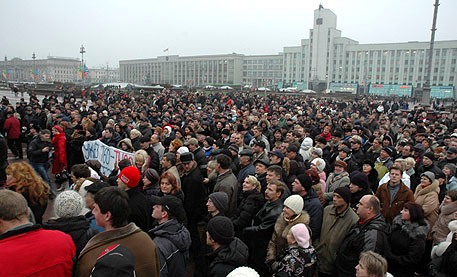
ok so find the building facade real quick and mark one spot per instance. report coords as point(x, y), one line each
point(324, 58)
point(51, 69)
point(103, 75)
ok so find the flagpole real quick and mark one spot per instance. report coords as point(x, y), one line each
point(82, 51)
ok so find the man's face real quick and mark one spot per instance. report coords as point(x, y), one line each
point(165, 163)
point(395, 176)
point(271, 176)
point(107, 134)
point(363, 208)
point(154, 138)
point(45, 137)
point(426, 161)
point(296, 186)
point(100, 218)
point(210, 206)
point(157, 212)
point(274, 159)
point(289, 137)
point(271, 193)
point(406, 151)
point(257, 149)
point(188, 166)
point(338, 201)
point(145, 145)
point(121, 184)
point(260, 168)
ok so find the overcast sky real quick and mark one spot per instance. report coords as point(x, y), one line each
point(113, 30)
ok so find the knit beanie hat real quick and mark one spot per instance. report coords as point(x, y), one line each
point(359, 179)
point(130, 176)
point(345, 193)
point(430, 175)
point(388, 150)
point(68, 204)
point(221, 230)
point(243, 271)
point(452, 168)
point(319, 163)
point(301, 234)
point(295, 203)
point(305, 181)
point(152, 175)
point(430, 155)
point(220, 201)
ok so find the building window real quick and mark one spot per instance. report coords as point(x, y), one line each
point(319, 21)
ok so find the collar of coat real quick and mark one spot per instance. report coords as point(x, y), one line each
point(433, 187)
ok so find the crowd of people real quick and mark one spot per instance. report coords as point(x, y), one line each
point(229, 184)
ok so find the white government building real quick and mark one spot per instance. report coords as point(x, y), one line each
point(325, 60)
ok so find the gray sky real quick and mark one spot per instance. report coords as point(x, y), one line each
point(113, 30)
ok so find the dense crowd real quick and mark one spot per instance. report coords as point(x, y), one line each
point(285, 185)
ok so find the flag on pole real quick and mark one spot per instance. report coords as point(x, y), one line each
point(165, 50)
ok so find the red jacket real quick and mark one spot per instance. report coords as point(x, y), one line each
point(59, 142)
point(12, 127)
point(33, 251)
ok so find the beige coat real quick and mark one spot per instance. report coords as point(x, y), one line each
point(278, 242)
point(441, 229)
point(428, 198)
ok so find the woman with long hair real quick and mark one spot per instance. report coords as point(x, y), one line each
point(407, 240)
point(22, 178)
point(169, 186)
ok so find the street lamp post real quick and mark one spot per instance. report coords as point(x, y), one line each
point(6, 70)
point(82, 50)
point(34, 66)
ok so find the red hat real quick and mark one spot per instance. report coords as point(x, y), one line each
point(130, 176)
point(58, 128)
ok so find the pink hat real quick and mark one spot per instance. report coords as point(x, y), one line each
point(301, 234)
point(130, 176)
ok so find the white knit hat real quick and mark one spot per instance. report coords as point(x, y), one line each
point(319, 163)
point(243, 271)
point(68, 204)
point(295, 203)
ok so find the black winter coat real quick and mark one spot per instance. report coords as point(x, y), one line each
point(406, 246)
point(140, 209)
point(251, 202)
point(78, 227)
point(314, 208)
point(34, 150)
point(370, 235)
point(195, 195)
point(228, 257)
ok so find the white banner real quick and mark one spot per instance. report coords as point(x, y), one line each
point(108, 156)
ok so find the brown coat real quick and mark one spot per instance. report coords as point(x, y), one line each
point(428, 198)
point(278, 242)
point(403, 195)
point(441, 229)
point(138, 242)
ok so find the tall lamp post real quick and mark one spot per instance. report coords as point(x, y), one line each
point(34, 66)
point(6, 70)
point(426, 89)
point(82, 50)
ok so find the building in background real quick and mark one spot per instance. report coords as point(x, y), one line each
point(103, 75)
point(51, 69)
point(325, 60)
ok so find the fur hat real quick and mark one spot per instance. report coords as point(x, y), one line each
point(301, 234)
point(220, 201)
point(68, 204)
point(345, 193)
point(221, 230)
point(130, 176)
point(295, 203)
point(319, 163)
point(186, 157)
point(343, 164)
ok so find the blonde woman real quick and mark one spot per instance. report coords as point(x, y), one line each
point(142, 160)
point(135, 136)
point(251, 202)
point(22, 178)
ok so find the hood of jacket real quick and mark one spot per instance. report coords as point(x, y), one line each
point(67, 224)
point(413, 229)
point(174, 232)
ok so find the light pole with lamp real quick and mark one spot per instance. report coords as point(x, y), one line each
point(82, 50)
point(34, 66)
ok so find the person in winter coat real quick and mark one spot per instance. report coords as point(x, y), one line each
point(111, 210)
point(407, 240)
point(12, 127)
point(38, 153)
point(401, 195)
point(299, 258)
point(311, 204)
point(427, 195)
point(22, 178)
point(372, 175)
point(444, 264)
point(68, 208)
point(251, 202)
point(228, 251)
point(170, 236)
point(338, 220)
point(292, 214)
point(60, 150)
point(449, 172)
point(370, 233)
point(336, 179)
point(448, 209)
